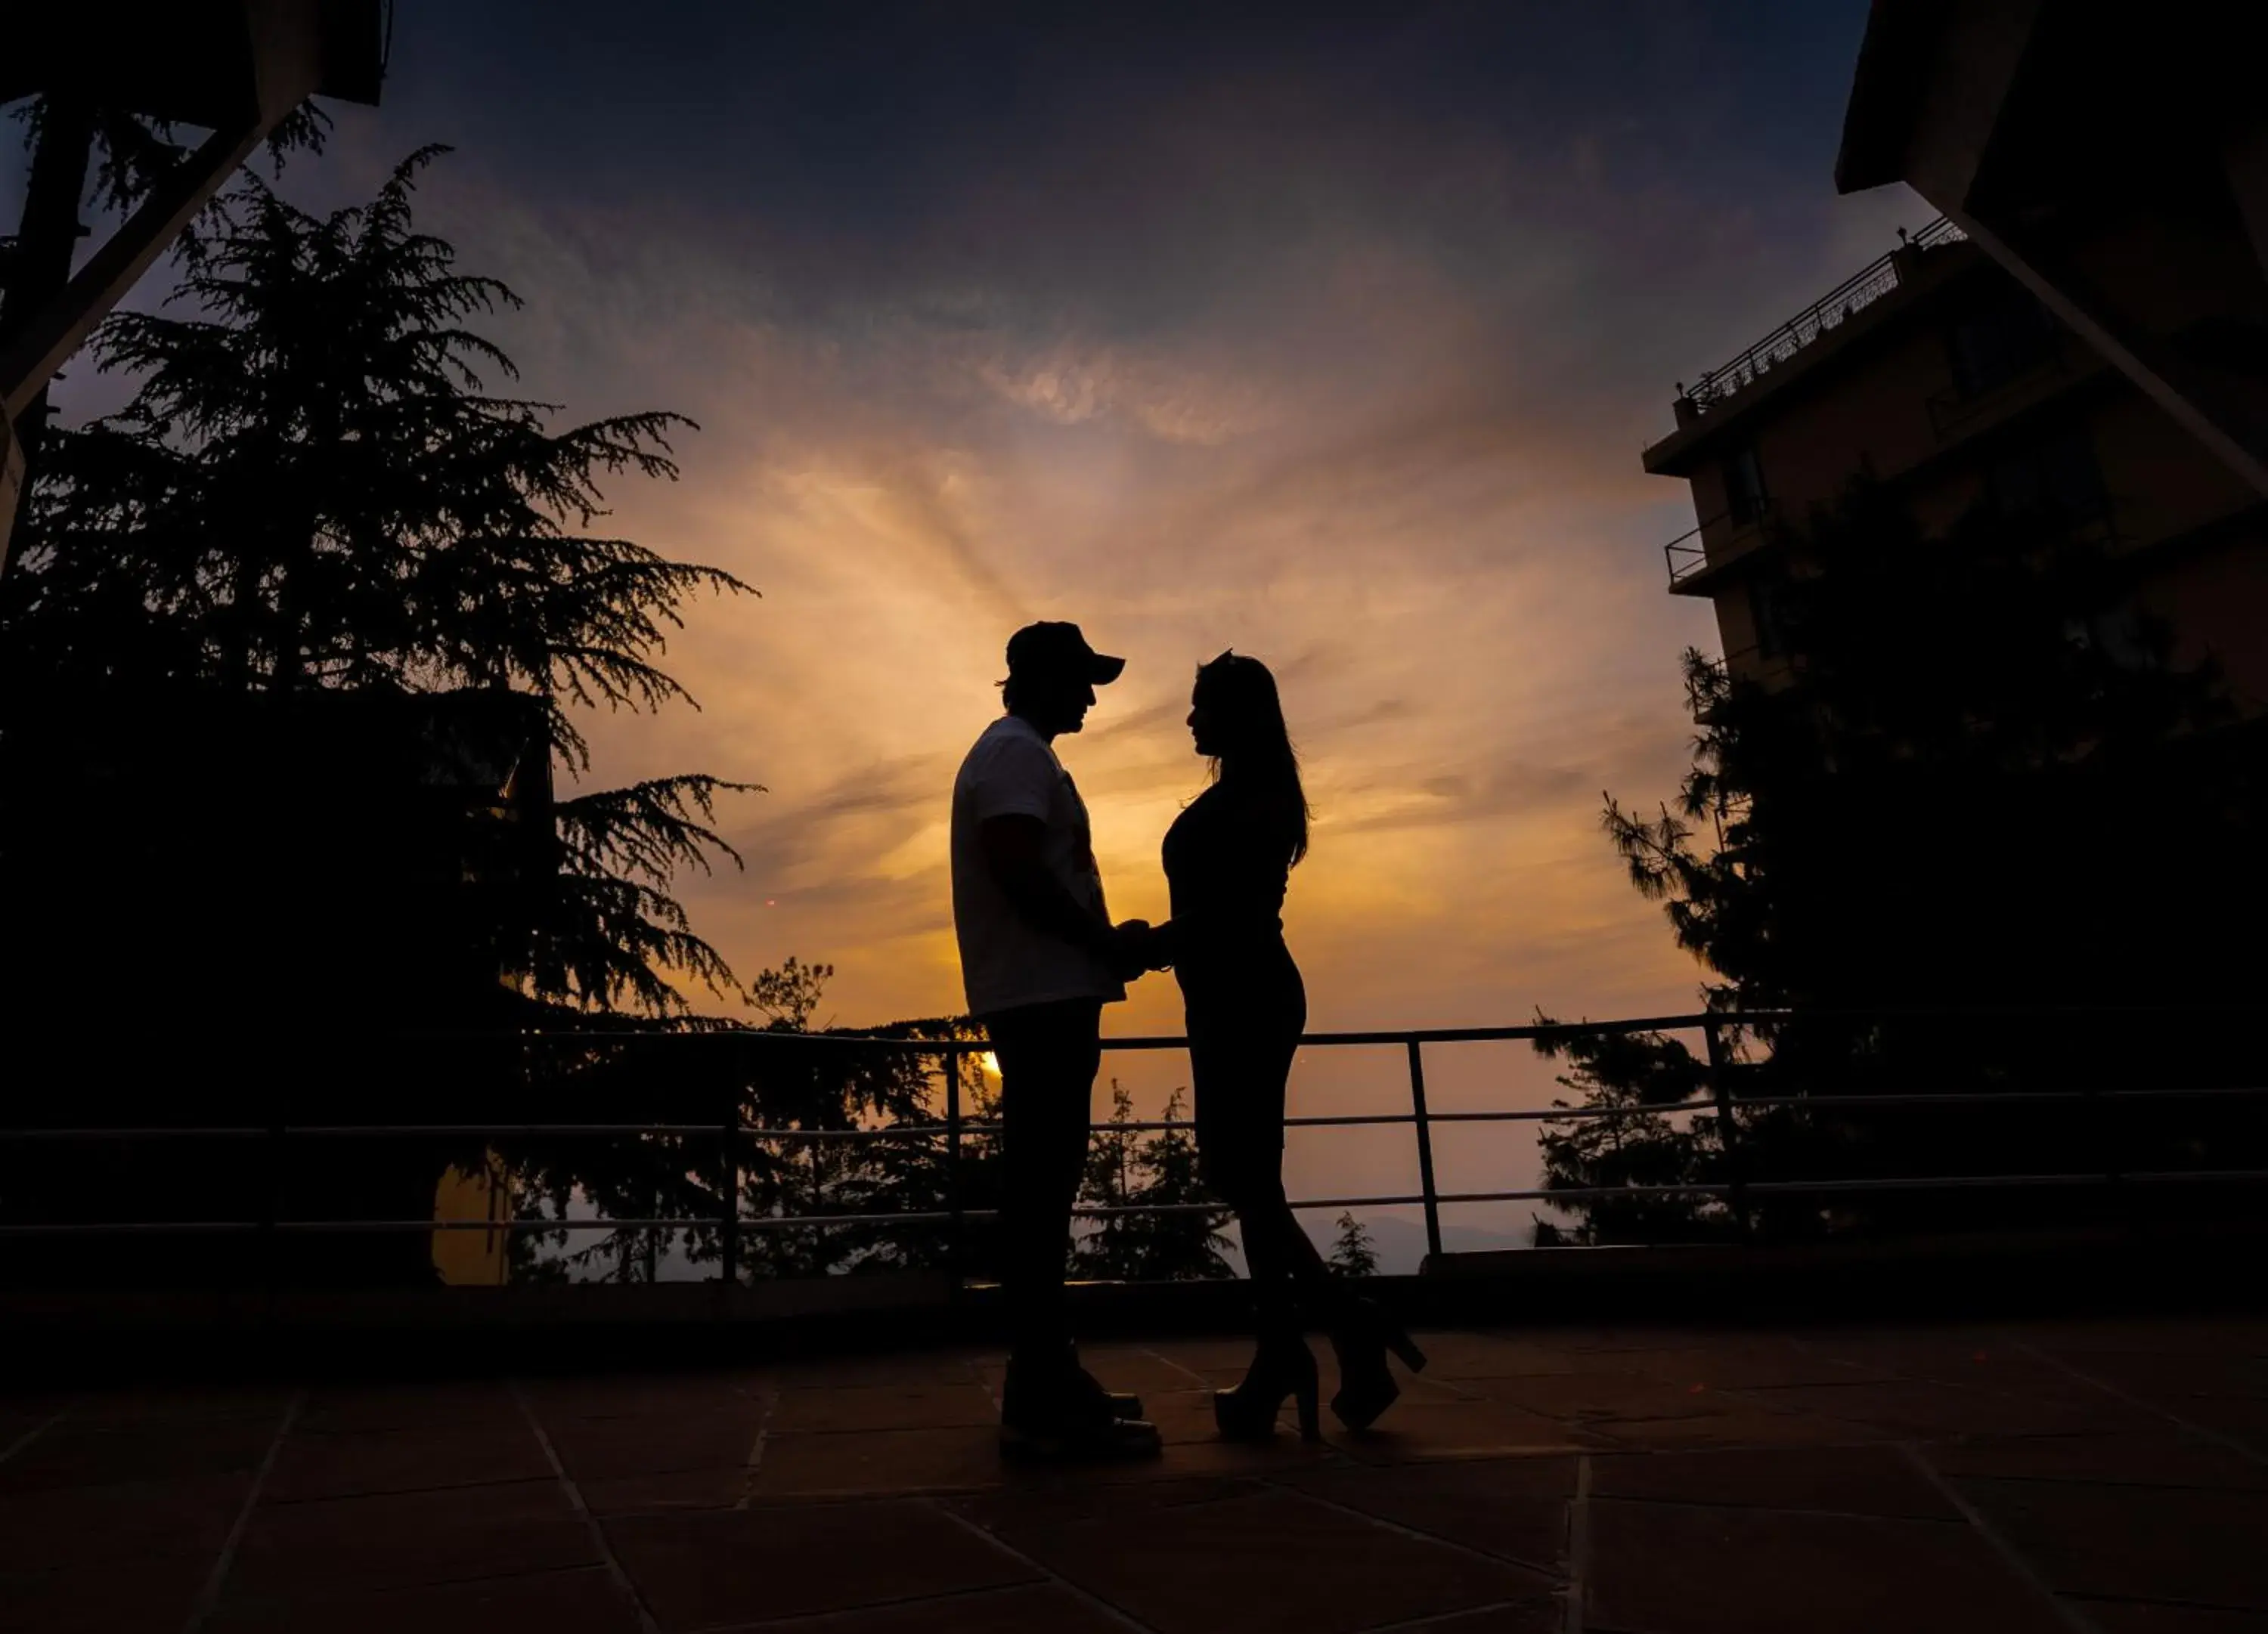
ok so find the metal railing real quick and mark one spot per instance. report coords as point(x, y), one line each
point(1865, 287)
point(1687, 556)
point(1718, 1029)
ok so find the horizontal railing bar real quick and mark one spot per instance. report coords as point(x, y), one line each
point(184, 1228)
point(1728, 1018)
point(361, 1131)
point(1544, 1114)
point(191, 1133)
point(1473, 1034)
point(1825, 1101)
point(1701, 1188)
point(2159, 1177)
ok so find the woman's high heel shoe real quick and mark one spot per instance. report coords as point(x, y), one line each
point(1282, 1367)
point(1361, 1337)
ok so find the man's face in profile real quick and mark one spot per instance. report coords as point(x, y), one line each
point(1059, 703)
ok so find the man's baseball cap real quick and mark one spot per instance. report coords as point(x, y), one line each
point(1055, 649)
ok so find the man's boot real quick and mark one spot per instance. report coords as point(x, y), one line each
point(1121, 1403)
point(1052, 1410)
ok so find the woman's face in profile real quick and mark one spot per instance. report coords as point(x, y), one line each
point(1203, 727)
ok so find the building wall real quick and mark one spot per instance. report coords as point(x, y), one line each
point(2166, 502)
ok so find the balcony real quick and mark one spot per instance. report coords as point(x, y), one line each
point(1694, 565)
point(1873, 281)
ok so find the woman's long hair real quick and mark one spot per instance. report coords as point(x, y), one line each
point(1239, 694)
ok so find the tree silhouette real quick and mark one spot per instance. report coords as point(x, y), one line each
point(1978, 781)
point(1126, 1169)
point(1354, 1253)
point(83, 151)
point(311, 492)
point(779, 1084)
point(290, 650)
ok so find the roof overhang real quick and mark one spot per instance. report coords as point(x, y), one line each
point(221, 64)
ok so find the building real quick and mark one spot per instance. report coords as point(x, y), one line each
point(1938, 373)
point(2112, 158)
point(2084, 330)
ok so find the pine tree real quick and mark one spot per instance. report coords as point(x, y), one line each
point(1124, 1170)
point(1980, 781)
point(314, 491)
point(1354, 1253)
point(1187, 1245)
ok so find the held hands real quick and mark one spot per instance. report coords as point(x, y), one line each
point(1135, 948)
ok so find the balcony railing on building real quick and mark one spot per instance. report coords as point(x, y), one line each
point(1862, 290)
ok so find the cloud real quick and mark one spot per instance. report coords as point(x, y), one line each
point(1336, 346)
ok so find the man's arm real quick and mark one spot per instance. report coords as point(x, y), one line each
point(1013, 847)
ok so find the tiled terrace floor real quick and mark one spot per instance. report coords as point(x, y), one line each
point(2111, 1477)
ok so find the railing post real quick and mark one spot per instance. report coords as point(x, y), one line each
point(953, 1261)
point(270, 1206)
point(728, 1179)
point(1721, 1090)
point(1424, 1150)
point(2115, 1196)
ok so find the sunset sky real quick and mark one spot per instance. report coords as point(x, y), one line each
point(1335, 342)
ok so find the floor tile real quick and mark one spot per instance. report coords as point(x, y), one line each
point(635, 1395)
point(406, 1460)
point(1926, 1409)
point(350, 1408)
point(182, 1403)
point(657, 1494)
point(2137, 1617)
point(1239, 1565)
point(1728, 1422)
point(1525, 1617)
point(80, 1454)
point(705, 1571)
point(1515, 1508)
point(861, 1463)
point(883, 1407)
point(1202, 1355)
point(1457, 1356)
point(2135, 1543)
point(2241, 1419)
point(1600, 1394)
point(405, 1539)
point(1742, 1362)
point(930, 1367)
point(87, 1526)
point(597, 1449)
point(1421, 1429)
point(2172, 1378)
point(154, 1597)
point(1139, 1368)
point(1859, 1481)
point(582, 1601)
point(1692, 1569)
point(2168, 1459)
point(1026, 1609)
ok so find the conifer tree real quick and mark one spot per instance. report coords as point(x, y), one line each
point(313, 488)
point(1125, 1169)
point(1977, 782)
point(1353, 1253)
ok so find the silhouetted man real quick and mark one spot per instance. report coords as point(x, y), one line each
point(1040, 958)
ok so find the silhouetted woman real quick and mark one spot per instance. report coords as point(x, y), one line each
point(1228, 858)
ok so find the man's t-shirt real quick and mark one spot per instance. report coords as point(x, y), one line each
point(1006, 960)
